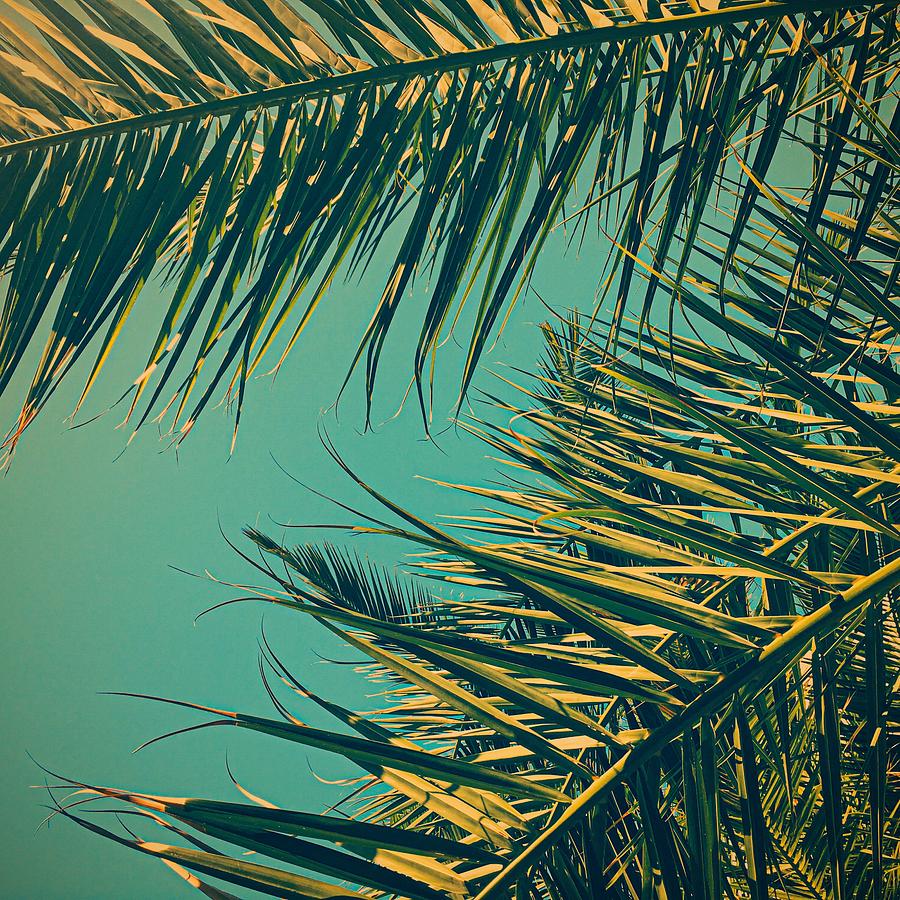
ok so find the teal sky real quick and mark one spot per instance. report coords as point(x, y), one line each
point(92, 603)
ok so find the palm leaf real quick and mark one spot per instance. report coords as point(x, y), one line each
point(245, 151)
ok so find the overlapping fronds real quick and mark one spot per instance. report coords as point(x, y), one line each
point(663, 659)
point(245, 150)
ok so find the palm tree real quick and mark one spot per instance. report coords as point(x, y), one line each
point(662, 659)
point(241, 151)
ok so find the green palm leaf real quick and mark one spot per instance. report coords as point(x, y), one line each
point(247, 150)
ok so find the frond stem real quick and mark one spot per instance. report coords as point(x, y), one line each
point(392, 73)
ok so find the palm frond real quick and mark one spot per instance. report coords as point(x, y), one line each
point(247, 151)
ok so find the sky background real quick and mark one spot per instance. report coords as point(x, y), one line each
point(89, 539)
